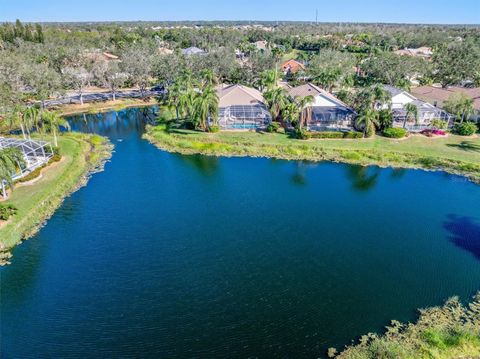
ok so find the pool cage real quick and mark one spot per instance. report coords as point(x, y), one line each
point(249, 117)
point(35, 153)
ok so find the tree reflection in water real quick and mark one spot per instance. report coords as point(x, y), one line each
point(464, 232)
point(363, 178)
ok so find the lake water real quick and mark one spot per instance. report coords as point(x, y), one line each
point(170, 256)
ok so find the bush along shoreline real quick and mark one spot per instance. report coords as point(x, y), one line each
point(29, 207)
point(415, 152)
point(449, 331)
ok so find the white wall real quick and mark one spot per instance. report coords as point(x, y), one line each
point(322, 101)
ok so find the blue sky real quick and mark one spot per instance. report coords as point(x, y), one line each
point(405, 11)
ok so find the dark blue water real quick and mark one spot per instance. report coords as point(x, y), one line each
point(169, 256)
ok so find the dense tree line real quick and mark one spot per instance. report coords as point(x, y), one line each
point(41, 61)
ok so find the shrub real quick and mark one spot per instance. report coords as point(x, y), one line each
point(303, 135)
point(431, 133)
point(352, 134)
point(214, 129)
point(465, 128)
point(325, 134)
point(439, 124)
point(273, 127)
point(395, 132)
point(6, 211)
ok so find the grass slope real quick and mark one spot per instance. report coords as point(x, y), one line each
point(82, 154)
point(453, 154)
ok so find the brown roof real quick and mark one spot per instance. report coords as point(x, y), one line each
point(440, 95)
point(293, 65)
point(233, 95)
point(312, 90)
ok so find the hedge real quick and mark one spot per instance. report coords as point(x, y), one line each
point(394, 132)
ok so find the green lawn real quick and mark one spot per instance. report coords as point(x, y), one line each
point(80, 155)
point(453, 154)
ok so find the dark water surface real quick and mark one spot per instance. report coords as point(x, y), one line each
point(169, 256)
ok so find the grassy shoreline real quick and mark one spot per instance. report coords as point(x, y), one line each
point(452, 154)
point(104, 106)
point(448, 331)
point(82, 155)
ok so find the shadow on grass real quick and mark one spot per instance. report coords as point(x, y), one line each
point(467, 146)
point(464, 233)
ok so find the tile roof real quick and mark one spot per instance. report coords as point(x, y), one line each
point(440, 95)
point(310, 89)
point(236, 95)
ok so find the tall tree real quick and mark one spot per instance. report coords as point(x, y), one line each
point(411, 113)
point(52, 123)
point(10, 161)
point(276, 99)
point(367, 120)
point(457, 62)
point(206, 107)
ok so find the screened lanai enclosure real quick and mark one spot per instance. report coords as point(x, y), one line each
point(244, 117)
point(323, 118)
point(35, 153)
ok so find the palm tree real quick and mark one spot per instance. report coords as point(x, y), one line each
point(52, 122)
point(186, 103)
point(291, 112)
point(304, 106)
point(206, 107)
point(31, 118)
point(172, 98)
point(381, 97)
point(209, 78)
point(10, 161)
point(411, 113)
point(268, 80)
point(16, 120)
point(368, 119)
point(276, 99)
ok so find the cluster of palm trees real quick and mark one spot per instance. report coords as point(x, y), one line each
point(375, 112)
point(282, 107)
point(195, 99)
point(28, 120)
point(33, 119)
point(11, 159)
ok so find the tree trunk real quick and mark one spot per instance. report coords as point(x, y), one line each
point(81, 98)
point(55, 140)
point(113, 95)
point(4, 192)
point(23, 131)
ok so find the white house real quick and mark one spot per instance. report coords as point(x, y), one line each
point(426, 111)
point(327, 111)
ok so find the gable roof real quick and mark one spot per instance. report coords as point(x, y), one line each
point(293, 64)
point(310, 89)
point(238, 95)
point(440, 95)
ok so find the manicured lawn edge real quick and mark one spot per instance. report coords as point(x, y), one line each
point(187, 142)
point(83, 155)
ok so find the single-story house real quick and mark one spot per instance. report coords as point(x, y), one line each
point(426, 111)
point(292, 66)
point(438, 95)
point(327, 113)
point(241, 108)
point(190, 51)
